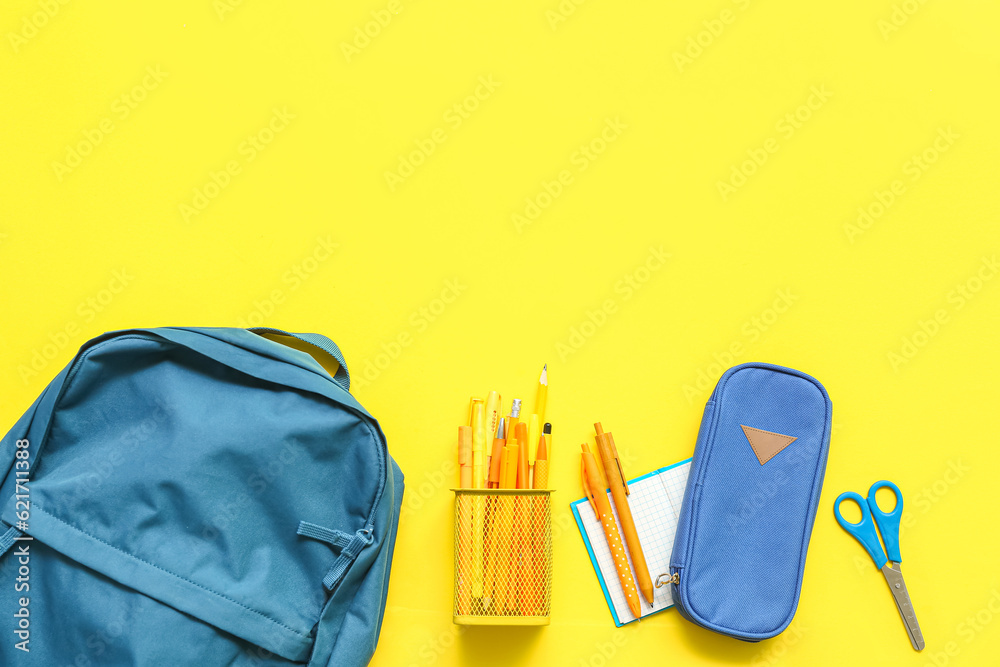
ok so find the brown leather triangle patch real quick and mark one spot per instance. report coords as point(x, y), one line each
point(765, 443)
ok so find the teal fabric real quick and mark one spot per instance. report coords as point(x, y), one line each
point(171, 470)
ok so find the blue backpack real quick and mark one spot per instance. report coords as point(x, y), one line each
point(196, 496)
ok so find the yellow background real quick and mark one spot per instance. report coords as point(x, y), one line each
point(258, 253)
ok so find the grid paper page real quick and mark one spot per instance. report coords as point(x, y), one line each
point(655, 500)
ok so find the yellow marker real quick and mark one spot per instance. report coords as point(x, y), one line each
point(478, 443)
point(512, 459)
point(465, 518)
point(533, 433)
point(478, 510)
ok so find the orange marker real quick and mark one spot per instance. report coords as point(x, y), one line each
point(492, 409)
point(495, 461)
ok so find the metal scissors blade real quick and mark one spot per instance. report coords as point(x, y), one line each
point(894, 577)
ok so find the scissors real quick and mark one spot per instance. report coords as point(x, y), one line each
point(888, 560)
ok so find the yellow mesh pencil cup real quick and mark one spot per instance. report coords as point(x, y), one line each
point(517, 557)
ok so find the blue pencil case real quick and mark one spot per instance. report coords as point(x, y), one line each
point(740, 547)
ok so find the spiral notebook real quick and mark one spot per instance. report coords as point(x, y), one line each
point(655, 500)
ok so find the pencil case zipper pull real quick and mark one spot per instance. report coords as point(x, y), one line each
point(663, 579)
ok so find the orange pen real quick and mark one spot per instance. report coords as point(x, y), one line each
point(492, 414)
point(595, 493)
point(620, 492)
point(541, 480)
point(521, 432)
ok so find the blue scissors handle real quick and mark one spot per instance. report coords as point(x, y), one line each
point(864, 530)
point(888, 522)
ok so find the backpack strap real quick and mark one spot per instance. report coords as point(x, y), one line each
point(314, 342)
point(350, 547)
